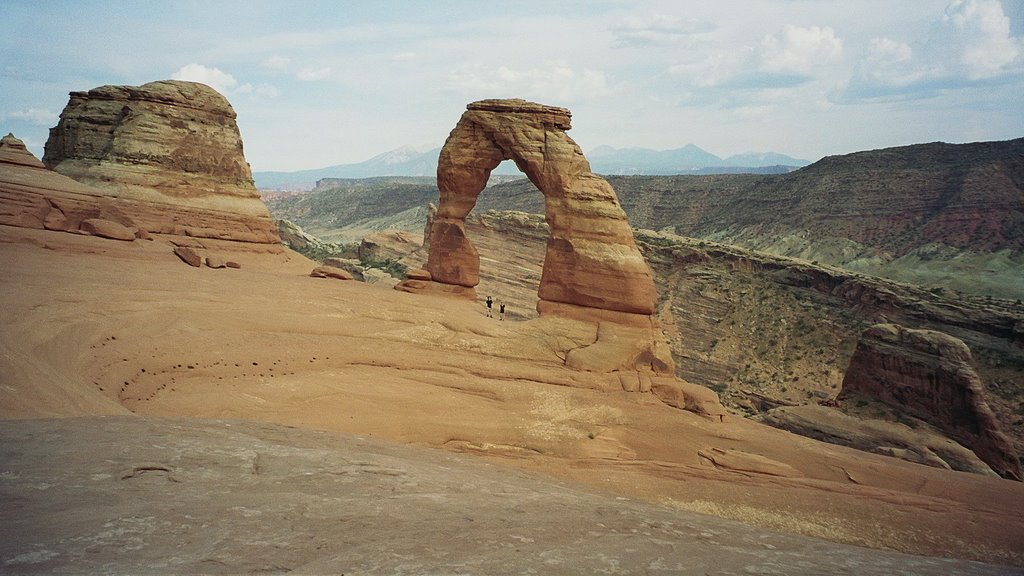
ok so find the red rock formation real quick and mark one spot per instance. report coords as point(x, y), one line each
point(189, 256)
point(593, 270)
point(330, 272)
point(33, 197)
point(171, 151)
point(107, 229)
point(928, 374)
point(591, 260)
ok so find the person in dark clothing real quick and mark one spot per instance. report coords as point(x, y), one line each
point(489, 304)
point(501, 311)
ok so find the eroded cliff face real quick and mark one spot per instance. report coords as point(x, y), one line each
point(929, 375)
point(171, 151)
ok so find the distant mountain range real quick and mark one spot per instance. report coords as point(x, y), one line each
point(408, 161)
point(689, 159)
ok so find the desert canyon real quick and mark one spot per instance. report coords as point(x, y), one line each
point(181, 392)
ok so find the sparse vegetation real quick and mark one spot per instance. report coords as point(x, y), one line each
point(393, 267)
point(719, 388)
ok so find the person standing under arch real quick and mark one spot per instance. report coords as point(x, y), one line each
point(489, 304)
point(501, 311)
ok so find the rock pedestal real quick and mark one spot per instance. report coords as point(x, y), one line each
point(928, 374)
point(170, 152)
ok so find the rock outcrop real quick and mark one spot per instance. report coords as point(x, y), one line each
point(13, 151)
point(330, 272)
point(922, 444)
point(294, 237)
point(388, 245)
point(593, 270)
point(107, 229)
point(928, 374)
point(591, 259)
point(169, 152)
point(189, 256)
point(31, 196)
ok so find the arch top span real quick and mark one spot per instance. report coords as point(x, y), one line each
point(591, 260)
point(560, 118)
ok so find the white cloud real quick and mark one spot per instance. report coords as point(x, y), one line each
point(554, 83)
point(309, 73)
point(264, 90)
point(37, 116)
point(283, 65)
point(657, 30)
point(892, 63)
point(798, 50)
point(976, 33)
point(213, 77)
point(971, 44)
point(276, 63)
point(792, 57)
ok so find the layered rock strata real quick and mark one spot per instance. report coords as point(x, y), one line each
point(170, 153)
point(593, 270)
point(928, 374)
point(31, 196)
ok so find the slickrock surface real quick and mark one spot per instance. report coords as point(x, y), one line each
point(929, 374)
point(94, 326)
point(171, 150)
point(130, 495)
point(766, 331)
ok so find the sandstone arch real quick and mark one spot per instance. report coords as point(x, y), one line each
point(591, 261)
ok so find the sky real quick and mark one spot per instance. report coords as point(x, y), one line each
point(321, 83)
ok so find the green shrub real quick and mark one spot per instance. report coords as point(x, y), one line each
point(393, 267)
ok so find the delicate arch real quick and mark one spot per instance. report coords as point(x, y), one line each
point(591, 258)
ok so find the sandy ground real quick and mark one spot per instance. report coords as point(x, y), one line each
point(93, 326)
